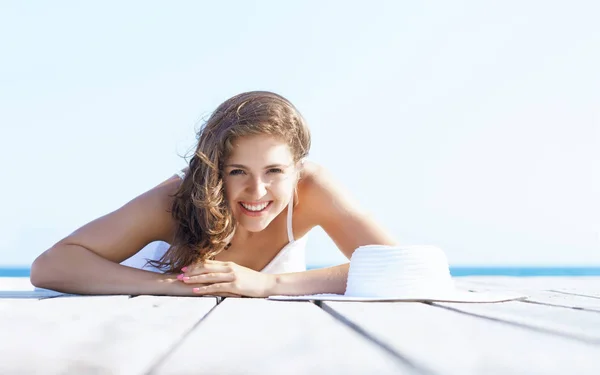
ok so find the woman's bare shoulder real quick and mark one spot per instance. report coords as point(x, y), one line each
point(310, 171)
point(316, 179)
point(318, 188)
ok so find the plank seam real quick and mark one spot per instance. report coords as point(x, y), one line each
point(573, 294)
point(153, 368)
point(563, 306)
point(523, 325)
point(385, 347)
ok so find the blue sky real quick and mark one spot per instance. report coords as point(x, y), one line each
point(467, 125)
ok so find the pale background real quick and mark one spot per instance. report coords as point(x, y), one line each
point(470, 125)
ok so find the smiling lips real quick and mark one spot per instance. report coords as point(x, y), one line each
point(254, 209)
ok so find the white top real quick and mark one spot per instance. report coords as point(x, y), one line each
point(291, 258)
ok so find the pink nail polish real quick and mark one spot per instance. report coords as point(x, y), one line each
point(196, 289)
point(180, 277)
point(184, 269)
point(186, 278)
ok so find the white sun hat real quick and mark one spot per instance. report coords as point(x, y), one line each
point(402, 273)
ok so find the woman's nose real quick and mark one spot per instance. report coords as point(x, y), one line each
point(258, 187)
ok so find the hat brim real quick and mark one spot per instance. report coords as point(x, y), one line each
point(456, 296)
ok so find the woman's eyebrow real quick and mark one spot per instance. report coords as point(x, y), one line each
point(241, 166)
point(236, 166)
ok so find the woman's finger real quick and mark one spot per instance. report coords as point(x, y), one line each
point(206, 278)
point(215, 289)
point(207, 268)
point(207, 261)
point(213, 261)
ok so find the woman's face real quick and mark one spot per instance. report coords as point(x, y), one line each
point(260, 176)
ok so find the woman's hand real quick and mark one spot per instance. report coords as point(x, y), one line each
point(227, 279)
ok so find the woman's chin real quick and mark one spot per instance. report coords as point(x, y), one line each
point(255, 225)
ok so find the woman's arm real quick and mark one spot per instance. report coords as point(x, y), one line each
point(87, 261)
point(343, 220)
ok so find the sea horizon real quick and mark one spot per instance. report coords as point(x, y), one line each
point(456, 271)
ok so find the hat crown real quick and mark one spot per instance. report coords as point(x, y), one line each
point(398, 271)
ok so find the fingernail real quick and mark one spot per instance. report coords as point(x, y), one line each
point(180, 277)
point(184, 269)
point(186, 278)
point(196, 289)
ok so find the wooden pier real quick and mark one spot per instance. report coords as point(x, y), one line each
point(555, 331)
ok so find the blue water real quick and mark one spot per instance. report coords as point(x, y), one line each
point(455, 271)
point(14, 271)
point(525, 271)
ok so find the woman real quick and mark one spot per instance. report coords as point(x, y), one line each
point(227, 218)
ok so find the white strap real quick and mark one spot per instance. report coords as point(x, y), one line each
point(289, 220)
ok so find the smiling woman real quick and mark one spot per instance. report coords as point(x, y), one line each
point(223, 225)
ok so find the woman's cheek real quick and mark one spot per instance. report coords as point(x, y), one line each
point(284, 191)
point(230, 196)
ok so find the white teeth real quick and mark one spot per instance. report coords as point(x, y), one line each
point(255, 207)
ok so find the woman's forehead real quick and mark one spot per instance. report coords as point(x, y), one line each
point(260, 150)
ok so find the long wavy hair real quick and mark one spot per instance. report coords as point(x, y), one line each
point(204, 218)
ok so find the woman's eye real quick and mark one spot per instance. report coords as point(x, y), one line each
point(236, 172)
point(275, 170)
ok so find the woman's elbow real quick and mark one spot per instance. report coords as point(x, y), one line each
point(43, 270)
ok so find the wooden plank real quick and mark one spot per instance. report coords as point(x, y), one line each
point(575, 324)
point(258, 336)
point(35, 294)
point(540, 296)
point(441, 341)
point(582, 292)
point(21, 287)
point(96, 334)
point(582, 285)
point(15, 303)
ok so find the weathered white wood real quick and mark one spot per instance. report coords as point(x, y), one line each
point(21, 287)
point(441, 341)
point(106, 335)
point(582, 285)
point(35, 294)
point(579, 291)
point(99, 334)
point(256, 336)
point(577, 324)
point(539, 296)
point(15, 303)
